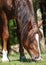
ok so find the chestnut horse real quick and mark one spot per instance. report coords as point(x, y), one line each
point(27, 28)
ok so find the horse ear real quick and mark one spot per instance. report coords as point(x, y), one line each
point(40, 23)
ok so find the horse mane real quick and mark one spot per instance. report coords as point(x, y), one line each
point(24, 13)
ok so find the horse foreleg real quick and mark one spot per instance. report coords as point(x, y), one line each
point(5, 36)
point(5, 39)
point(21, 49)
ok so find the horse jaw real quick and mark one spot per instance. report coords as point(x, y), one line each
point(5, 58)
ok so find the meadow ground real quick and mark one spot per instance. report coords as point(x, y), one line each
point(14, 60)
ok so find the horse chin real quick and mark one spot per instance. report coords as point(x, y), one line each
point(36, 59)
point(5, 58)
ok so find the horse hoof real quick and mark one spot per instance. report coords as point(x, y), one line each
point(5, 57)
point(23, 58)
point(5, 60)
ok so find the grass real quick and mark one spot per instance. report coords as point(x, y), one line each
point(14, 60)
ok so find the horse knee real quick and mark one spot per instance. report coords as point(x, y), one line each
point(5, 35)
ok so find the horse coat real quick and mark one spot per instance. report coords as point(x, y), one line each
point(23, 12)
